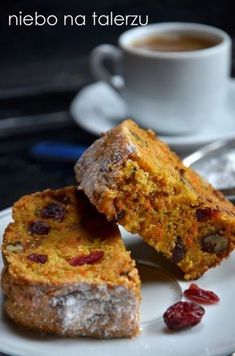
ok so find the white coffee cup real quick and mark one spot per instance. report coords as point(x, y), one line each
point(172, 92)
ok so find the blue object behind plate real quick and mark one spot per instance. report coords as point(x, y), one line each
point(56, 150)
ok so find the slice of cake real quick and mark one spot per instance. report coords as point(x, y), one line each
point(66, 268)
point(133, 178)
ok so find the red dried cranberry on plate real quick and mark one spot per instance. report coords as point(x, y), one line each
point(183, 315)
point(200, 295)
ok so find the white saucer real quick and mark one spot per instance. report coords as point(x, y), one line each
point(98, 108)
point(214, 336)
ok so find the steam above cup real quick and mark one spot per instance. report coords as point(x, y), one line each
point(173, 92)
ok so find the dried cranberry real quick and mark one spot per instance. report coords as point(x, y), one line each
point(39, 228)
point(95, 227)
point(53, 211)
point(214, 243)
point(179, 251)
point(35, 257)
point(201, 295)
point(183, 315)
point(93, 257)
point(206, 214)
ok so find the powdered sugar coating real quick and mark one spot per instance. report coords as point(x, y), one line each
point(103, 169)
point(100, 310)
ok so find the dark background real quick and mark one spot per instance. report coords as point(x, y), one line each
point(57, 55)
point(41, 69)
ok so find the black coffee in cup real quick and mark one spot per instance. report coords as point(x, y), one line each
point(174, 42)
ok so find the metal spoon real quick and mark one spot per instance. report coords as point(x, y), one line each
point(217, 150)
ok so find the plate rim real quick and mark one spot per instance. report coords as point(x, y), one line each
point(5, 212)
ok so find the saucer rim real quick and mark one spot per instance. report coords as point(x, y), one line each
point(179, 142)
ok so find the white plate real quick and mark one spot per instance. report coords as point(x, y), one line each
point(213, 336)
point(98, 108)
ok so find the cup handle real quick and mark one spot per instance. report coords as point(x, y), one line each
point(97, 61)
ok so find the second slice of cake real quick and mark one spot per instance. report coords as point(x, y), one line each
point(67, 270)
point(132, 177)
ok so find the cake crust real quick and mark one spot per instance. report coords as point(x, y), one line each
point(134, 178)
point(87, 285)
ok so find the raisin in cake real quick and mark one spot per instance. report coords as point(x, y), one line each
point(66, 268)
point(133, 178)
